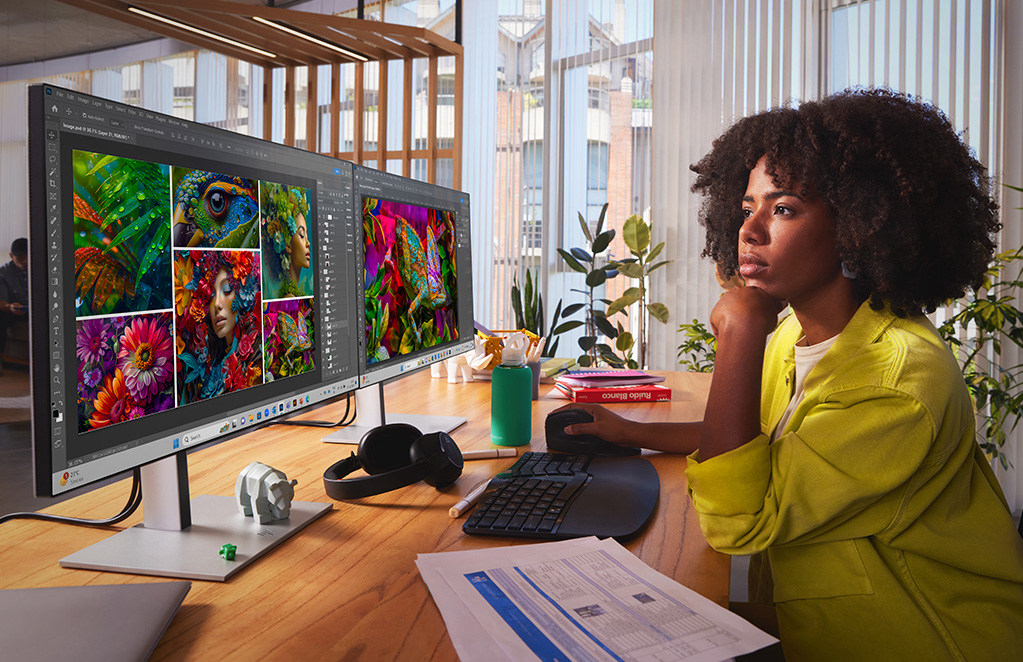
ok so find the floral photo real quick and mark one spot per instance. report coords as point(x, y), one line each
point(217, 304)
point(125, 368)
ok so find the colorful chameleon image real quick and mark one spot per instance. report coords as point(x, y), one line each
point(410, 278)
point(215, 210)
point(420, 271)
point(289, 337)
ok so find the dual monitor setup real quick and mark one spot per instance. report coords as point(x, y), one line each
point(189, 284)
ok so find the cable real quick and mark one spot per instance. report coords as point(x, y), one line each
point(134, 501)
point(326, 424)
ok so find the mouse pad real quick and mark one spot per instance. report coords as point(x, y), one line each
point(81, 623)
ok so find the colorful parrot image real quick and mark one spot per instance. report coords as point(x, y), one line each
point(214, 210)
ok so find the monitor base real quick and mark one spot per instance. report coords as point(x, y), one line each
point(194, 552)
point(353, 433)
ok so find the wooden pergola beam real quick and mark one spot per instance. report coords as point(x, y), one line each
point(373, 40)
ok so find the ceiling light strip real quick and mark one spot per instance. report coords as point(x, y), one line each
point(199, 31)
point(310, 38)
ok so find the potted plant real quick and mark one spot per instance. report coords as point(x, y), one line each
point(598, 270)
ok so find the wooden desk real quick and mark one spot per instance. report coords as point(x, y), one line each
point(347, 586)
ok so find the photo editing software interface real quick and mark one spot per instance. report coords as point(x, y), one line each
point(413, 244)
point(193, 283)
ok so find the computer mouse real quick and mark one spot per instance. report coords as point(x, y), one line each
point(579, 444)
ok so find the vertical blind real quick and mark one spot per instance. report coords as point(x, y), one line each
point(715, 61)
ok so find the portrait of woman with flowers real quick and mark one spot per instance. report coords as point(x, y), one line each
point(125, 368)
point(286, 240)
point(217, 304)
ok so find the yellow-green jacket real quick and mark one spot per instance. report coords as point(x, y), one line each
point(887, 534)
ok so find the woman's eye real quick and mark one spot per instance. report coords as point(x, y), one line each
point(782, 210)
point(746, 213)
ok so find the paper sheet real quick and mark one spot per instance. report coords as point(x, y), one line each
point(582, 600)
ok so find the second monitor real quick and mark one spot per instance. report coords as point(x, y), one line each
point(412, 240)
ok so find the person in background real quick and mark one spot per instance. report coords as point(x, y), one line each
point(13, 291)
point(839, 445)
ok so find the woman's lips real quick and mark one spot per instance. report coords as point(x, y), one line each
point(750, 265)
point(219, 322)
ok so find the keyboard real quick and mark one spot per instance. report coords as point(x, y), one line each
point(554, 496)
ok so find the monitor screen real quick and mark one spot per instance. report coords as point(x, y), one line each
point(412, 240)
point(187, 283)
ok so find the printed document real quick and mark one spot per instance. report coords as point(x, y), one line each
point(581, 600)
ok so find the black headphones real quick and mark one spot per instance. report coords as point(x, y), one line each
point(394, 455)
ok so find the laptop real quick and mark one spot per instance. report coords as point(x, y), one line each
point(87, 623)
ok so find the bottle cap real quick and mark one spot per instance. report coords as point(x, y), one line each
point(514, 352)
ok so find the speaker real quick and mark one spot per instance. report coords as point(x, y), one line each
point(393, 456)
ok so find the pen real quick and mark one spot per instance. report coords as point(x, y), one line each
point(489, 453)
point(470, 499)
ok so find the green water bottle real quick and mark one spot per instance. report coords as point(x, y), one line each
point(511, 390)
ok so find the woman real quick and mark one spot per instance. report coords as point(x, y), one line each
point(222, 316)
point(287, 254)
point(843, 445)
point(298, 249)
point(217, 306)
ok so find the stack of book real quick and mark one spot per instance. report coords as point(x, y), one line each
point(606, 386)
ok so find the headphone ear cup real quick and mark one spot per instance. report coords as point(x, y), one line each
point(387, 447)
point(439, 450)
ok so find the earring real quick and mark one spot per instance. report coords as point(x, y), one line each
point(851, 275)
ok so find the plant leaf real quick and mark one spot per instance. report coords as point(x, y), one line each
point(629, 297)
point(602, 241)
point(586, 228)
point(600, 221)
point(572, 309)
point(625, 342)
point(659, 312)
point(631, 270)
point(654, 252)
point(571, 261)
point(605, 327)
point(581, 255)
point(657, 266)
point(596, 277)
point(637, 234)
point(567, 326)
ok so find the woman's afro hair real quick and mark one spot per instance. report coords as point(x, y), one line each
point(913, 212)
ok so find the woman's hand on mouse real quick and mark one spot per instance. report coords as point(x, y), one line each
point(666, 437)
point(606, 424)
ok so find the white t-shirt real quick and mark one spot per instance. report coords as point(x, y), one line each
point(807, 358)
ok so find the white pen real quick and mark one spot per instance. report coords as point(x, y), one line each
point(489, 453)
point(470, 500)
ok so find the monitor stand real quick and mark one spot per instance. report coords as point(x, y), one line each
point(369, 414)
point(182, 538)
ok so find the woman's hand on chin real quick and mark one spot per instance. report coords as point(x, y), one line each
point(747, 310)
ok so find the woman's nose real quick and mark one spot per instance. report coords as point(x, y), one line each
point(752, 230)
